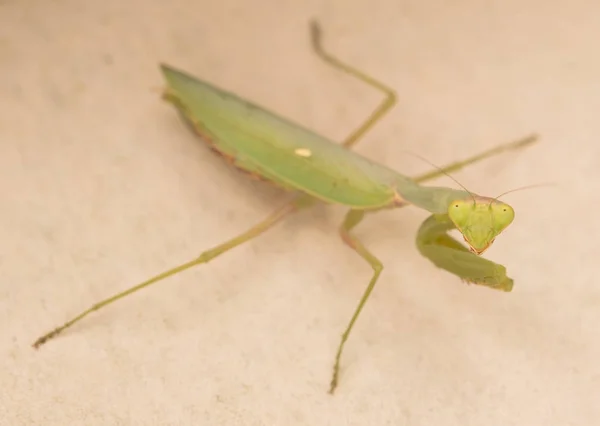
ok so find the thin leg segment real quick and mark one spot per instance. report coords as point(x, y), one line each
point(384, 107)
point(205, 257)
point(352, 219)
point(458, 165)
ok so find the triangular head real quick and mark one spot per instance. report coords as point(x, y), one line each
point(480, 220)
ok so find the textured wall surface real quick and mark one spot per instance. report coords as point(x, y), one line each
point(101, 186)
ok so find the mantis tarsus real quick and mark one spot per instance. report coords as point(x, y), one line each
point(317, 170)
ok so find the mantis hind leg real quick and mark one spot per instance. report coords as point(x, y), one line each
point(205, 257)
point(352, 219)
point(385, 106)
point(388, 103)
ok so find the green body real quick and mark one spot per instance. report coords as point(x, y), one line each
point(264, 144)
point(317, 169)
point(267, 145)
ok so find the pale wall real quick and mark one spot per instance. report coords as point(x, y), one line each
point(101, 186)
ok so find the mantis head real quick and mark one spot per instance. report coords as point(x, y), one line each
point(480, 220)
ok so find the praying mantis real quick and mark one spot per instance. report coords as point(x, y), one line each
point(316, 170)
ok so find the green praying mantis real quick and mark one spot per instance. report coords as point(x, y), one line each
point(317, 170)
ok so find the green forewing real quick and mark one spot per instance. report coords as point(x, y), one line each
point(264, 143)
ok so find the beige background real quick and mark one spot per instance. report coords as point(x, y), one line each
point(101, 186)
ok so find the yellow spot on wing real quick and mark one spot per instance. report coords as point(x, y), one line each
point(303, 152)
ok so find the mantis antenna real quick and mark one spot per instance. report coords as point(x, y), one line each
point(443, 172)
point(535, 185)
